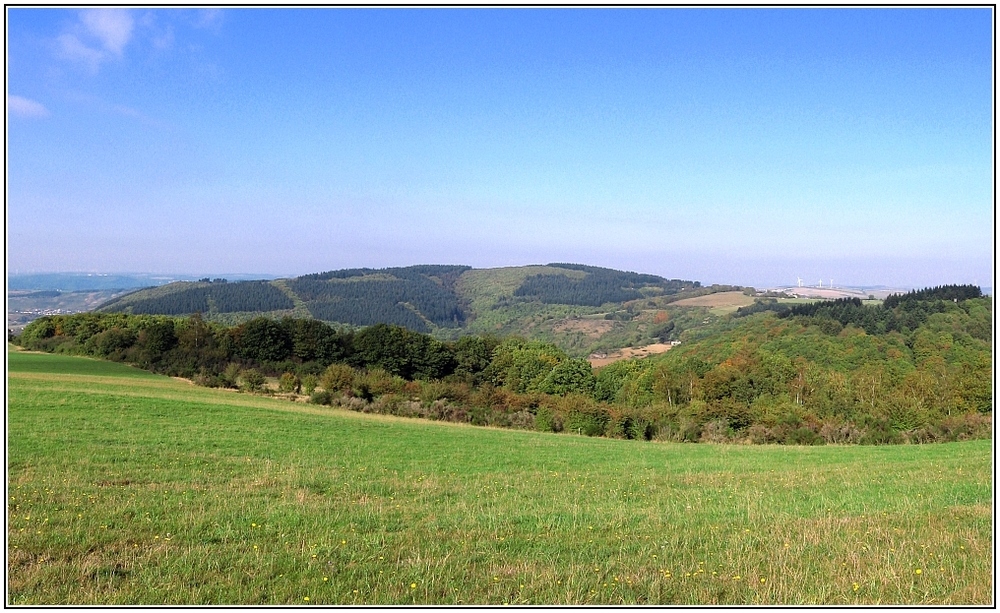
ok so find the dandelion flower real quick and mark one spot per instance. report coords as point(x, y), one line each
point(413, 586)
point(306, 599)
point(917, 572)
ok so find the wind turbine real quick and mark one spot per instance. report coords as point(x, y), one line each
point(800, 281)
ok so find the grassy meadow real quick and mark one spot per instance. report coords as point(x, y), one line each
point(130, 488)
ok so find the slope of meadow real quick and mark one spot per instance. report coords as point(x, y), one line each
point(128, 488)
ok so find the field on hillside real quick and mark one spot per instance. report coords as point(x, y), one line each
point(628, 353)
point(719, 303)
point(129, 488)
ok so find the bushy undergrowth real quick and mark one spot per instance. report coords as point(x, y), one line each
point(581, 415)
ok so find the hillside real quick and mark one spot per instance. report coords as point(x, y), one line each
point(131, 488)
point(916, 367)
point(580, 308)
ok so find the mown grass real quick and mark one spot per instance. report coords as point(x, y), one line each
point(146, 490)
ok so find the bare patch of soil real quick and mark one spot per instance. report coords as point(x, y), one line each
point(596, 360)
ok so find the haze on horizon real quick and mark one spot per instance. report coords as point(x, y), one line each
point(749, 146)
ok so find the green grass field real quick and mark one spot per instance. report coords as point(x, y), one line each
point(128, 488)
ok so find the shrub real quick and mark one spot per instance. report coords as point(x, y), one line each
point(522, 420)
point(955, 428)
point(640, 429)
point(846, 433)
point(759, 434)
point(682, 429)
point(877, 432)
point(309, 383)
point(289, 383)
point(252, 380)
point(804, 436)
point(716, 431)
point(394, 404)
point(208, 380)
point(321, 397)
point(337, 378)
point(378, 382)
point(548, 420)
point(490, 397)
point(230, 376)
point(431, 391)
point(589, 421)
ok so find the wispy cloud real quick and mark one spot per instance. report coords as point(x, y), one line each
point(210, 19)
point(100, 35)
point(159, 31)
point(23, 107)
point(112, 27)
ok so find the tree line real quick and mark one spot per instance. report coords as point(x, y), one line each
point(805, 379)
point(897, 313)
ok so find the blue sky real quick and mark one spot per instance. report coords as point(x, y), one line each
point(748, 146)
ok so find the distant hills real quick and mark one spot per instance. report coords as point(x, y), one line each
point(445, 300)
point(421, 298)
point(91, 281)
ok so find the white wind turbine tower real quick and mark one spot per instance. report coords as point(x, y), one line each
point(821, 283)
point(800, 281)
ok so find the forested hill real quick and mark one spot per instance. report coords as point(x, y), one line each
point(421, 298)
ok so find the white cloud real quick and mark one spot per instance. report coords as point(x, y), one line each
point(100, 35)
point(112, 27)
point(23, 107)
